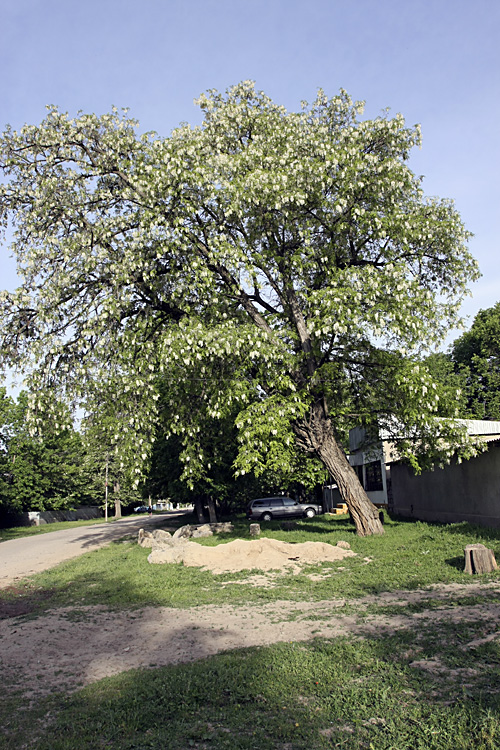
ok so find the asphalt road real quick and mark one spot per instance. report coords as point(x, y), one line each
point(31, 554)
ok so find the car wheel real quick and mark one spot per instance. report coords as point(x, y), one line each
point(310, 513)
point(266, 517)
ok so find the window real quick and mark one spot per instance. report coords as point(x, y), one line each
point(276, 503)
point(374, 476)
point(359, 473)
point(289, 501)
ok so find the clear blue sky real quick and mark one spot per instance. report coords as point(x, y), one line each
point(436, 61)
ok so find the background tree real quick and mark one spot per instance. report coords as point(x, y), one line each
point(9, 505)
point(289, 260)
point(177, 471)
point(476, 357)
point(39, 472)
point(104, 462)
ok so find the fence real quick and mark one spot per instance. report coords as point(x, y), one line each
point(37, 518)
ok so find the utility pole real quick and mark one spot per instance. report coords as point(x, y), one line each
point(106, 490)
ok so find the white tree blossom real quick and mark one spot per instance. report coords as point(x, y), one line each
point(288, 262)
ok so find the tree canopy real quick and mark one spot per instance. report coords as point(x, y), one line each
point(286, 263)
point(47, 471)
point(476, 357)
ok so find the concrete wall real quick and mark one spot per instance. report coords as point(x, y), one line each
point(469, 491)
point(35, 518)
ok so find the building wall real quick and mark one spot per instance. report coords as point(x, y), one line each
point(359, 460)
point(469, 491)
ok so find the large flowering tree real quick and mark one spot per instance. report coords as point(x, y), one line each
point(286, 263)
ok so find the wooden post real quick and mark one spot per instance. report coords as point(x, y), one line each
point(479, 559)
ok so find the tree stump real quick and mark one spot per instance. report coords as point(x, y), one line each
point(255, 529)
point(479, 559)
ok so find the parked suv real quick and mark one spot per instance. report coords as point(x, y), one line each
point(267, 508)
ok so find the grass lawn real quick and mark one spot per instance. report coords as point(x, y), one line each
point(410, 555)
point(436, 686)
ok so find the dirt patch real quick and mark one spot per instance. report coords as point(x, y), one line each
point(68, 648)
point(241, 554)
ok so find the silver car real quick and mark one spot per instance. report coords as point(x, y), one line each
point(267, 508)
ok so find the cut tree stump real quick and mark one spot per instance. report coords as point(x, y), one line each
point(479, 559)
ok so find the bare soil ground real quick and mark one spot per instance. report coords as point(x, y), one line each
point(68, 648)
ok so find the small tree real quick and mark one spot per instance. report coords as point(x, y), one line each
point(286, 261)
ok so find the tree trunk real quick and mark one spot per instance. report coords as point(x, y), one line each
point(315, 435)
point(199, 509)
point(479, 559)
point(212, 514)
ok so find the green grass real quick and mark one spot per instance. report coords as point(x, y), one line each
point(347, 693)
point(353, 694)
point(408, 556)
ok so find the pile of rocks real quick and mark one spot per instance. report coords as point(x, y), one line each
point(162, 538)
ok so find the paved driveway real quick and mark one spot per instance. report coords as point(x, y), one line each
point(31, 554)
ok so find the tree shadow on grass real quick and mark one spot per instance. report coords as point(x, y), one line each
point(472, 531)
point(19, 601)
point(380, 691)
point(456, 562)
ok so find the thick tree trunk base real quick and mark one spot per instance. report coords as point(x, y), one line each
point(315, 434)
point(212, 513)
point(198, 505)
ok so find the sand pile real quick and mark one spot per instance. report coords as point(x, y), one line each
point(261, 554)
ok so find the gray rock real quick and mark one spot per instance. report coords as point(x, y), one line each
point(145, 538)
point(222, 528)
point(184, 532)
point(160, 535)
point(202, 531)
point(343, 545)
